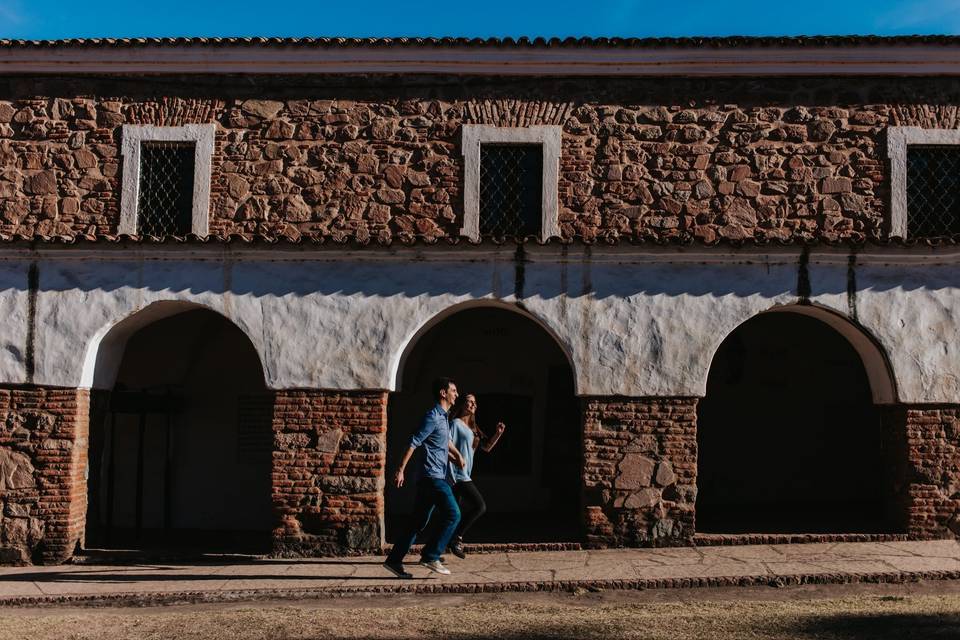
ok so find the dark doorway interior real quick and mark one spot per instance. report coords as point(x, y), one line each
point(789, 440)
point(531, 480)
point(180, 449)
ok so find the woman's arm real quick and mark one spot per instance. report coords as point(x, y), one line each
point(455, 456)
point(492, 442)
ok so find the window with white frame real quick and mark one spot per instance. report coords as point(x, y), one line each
point(924, 182)
point(510, 181)
point(166, 180)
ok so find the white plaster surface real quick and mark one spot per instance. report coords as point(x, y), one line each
point(630, 325)
point(14, 305)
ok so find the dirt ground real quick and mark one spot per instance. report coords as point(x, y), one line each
point(925, 610)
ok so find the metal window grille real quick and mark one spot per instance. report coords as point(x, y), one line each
point(933, 191)
point(165, 205)
point(511, 185)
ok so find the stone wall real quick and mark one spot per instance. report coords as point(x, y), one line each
point(43, 460)
point(639, 477)
point(378, 158)
point(933, 471)
point(328, 466)
point(640, 467)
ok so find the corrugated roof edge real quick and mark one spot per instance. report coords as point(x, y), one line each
point(408, 240)
point(920, 55)
point(519, 42)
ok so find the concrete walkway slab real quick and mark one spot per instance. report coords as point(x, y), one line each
point(270, 578)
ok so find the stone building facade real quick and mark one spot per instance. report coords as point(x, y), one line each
point(723, 226)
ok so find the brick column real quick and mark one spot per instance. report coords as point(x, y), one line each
point(932, 488)
point(43, 463)
point(328, 466)
point(640, 467)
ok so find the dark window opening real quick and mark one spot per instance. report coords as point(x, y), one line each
point(511, 187)
point(933, 191)
point(165, 205)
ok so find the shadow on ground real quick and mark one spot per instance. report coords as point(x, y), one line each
point(169, 573)
point(881, 626)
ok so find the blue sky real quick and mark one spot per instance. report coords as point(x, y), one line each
point(43, 19)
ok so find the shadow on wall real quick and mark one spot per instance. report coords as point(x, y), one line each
point(744, 92)
point(501, 275)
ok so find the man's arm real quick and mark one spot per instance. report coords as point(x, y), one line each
point(398, 479)
point(455, 455)
point(426, 428)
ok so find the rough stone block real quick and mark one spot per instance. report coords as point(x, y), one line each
point(665, 475)
point(643, 499)
point(16, 471)
point(836, 185)
point(634, 471)
point(266, 109)
point(329, 441)
point(41, 183)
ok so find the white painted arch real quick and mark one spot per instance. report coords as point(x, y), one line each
point(104, 353)
point(876, 365)
point(399, 361)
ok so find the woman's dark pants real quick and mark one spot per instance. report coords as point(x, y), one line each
point(471, 505)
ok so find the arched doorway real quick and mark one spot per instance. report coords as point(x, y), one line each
point(520, 375)
point(789, 437)
point(180, 447)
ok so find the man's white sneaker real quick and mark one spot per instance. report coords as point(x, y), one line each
point(436, 566)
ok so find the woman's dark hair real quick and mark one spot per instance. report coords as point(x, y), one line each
point(460, 412)
point(440, 384)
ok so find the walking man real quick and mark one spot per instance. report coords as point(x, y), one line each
point(434, 490)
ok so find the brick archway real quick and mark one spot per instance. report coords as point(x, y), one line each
point(520, 374)
point(181, 442)
point(792, 435)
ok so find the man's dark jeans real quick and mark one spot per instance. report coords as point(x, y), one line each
point(431, 493)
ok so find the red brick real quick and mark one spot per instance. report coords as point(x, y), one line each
point(615, 430)
point(342, 522)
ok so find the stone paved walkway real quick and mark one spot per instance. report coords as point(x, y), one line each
point(515, 571)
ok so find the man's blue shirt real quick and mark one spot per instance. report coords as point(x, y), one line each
point(434, 435)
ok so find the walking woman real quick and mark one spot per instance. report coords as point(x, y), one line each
point(467, 437)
